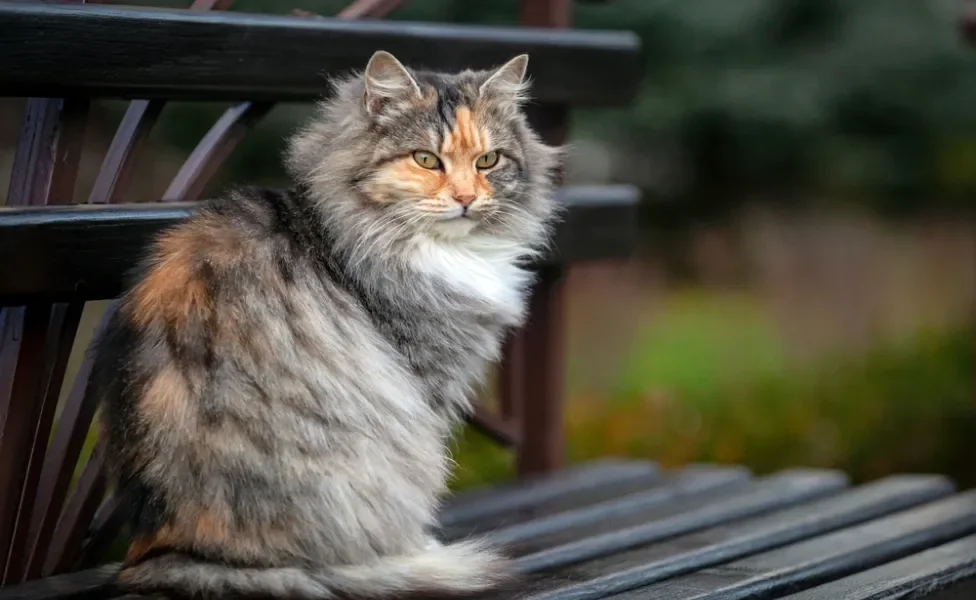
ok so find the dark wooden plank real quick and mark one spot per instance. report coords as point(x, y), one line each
point(598, 478)
point(54, 50)
point(947, 572)
point(76, 518)
point(614, 535)
point(83, 252)
point(23, 411)
point(62, 457)
point(84, 585)
point(618, 498)
point(62, 326)
point(678, 487)
point(804, 565)
point(601, 222)
point(718, 545)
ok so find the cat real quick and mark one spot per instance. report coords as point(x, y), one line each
point(280, 382)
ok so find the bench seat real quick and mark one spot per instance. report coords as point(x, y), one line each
point(628, 529)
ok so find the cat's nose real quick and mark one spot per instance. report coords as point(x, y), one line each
point(464, 199)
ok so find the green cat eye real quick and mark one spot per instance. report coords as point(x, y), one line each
point(426, 159)
point(487, 160)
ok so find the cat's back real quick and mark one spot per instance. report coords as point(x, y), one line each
point(233, 306)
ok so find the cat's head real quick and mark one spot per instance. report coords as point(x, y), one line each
point(411, 152)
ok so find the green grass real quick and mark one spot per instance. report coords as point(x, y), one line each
point(701, 342)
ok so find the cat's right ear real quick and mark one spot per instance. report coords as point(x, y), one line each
point(387, 79)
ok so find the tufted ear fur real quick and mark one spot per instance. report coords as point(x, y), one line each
point(508, 81)
point(387, 79)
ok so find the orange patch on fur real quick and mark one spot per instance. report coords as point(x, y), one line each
point(459, 151)
point(171, 290)
point(467, 138)
point(461, 148)
point(167, 400)
point(200, 529)
point(139, 547)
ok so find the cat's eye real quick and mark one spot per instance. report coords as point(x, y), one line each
point(426, 159)
point(487, 160)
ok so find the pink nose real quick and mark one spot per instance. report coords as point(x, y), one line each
point(464, 199)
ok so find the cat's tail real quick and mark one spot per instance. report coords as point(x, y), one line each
point(457, 569)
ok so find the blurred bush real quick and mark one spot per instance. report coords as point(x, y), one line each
point(904, 408)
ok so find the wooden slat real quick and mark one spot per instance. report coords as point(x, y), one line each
point(947, 572)
point(579, 509)
point(62, 457)
point(533, 493)
point(814, 540)
point(616, 535)
point(681, 486)
point(53, 50)
point(45, 164)
point(76, 517)
point(62, 326)
point(718, 545)
point(23, 411)
point(85, 252)
point(804, 565)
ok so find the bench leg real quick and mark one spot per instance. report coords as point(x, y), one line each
point(541, 398)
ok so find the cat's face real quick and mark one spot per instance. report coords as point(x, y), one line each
point(446, 153)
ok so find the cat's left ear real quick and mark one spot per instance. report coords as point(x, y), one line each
point(508, 81)
point(387, 79)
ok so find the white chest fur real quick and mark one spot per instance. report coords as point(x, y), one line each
point(481, 268)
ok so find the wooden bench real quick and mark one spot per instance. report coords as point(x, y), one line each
point(613, 528)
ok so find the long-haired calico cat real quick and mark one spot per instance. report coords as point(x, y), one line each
point(280, 382)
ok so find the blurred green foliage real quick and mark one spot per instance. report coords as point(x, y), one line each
point(904, 408)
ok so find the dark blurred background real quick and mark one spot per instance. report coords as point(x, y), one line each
point(804, 292)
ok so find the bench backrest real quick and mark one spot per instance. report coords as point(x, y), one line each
point(54, 515)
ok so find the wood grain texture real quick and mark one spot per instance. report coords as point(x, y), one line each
point(56, 50)
point(62, 326)
point(617, 534)
point(804, 528)
point(62, 456)
point(677, 487)
point(728, 541)
point(947, 572)
point(529, 524)
point(535, 493)
point(86, 252)
point(806, 564)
